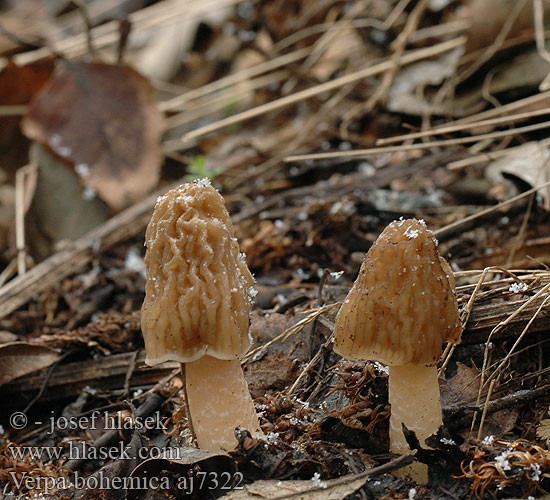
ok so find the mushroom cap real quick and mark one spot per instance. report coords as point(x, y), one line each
point(402, 307)
point(198, 284)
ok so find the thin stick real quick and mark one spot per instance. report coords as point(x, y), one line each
point(505, 108)
point(487, 53)
point(483, 157)
point(494, 331)
point(395, 13)
point(162, 13)
point(466, 312)
point(213, 103)
point(511, 201)
point(8, 272)
point(462, 126)
point(14, 110)
point(439, 30)
point(381, 92)
point(520, 238)
point(425, 145)
point(485, 408)
point(293, 330)
point(311, 364)
point(20, 220)
point(47, 378)
point(321, 45)
point(520, 336)
point(324, 87)
point(233, 79)
point(446, 356)
point(322, 282)
point(320, 28)
point(88, 24)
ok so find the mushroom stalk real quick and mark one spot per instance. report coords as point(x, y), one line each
point(226, 405)
point(415, 402)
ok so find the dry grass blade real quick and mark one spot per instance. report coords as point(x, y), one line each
point(425, 145)
point(240, 76)
point(541, 99)
point(481, 213)
point(157, 15)
point(215, 103)
point(463, 126)
point(490, 155)
point(491, 379)
point(520, 337)
point(319, 89)
point(381, 92)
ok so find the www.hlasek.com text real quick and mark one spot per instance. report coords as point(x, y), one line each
point(81, 450)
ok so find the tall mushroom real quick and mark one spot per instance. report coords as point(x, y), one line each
point(196, 310)
point(400, 311)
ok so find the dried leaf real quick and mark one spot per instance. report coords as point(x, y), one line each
point(314, 489)
point(463, 386)
point(61, 209)
point(344, 43)
point(491, 17)
point(21, 358)
point(18, 84)
point(7, 337)
point(523, 71)
point(543, 430)
point(103, 119)
point(528, 163)
point(404, 96)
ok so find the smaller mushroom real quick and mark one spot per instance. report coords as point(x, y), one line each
point(197, 310)
point(400, 310)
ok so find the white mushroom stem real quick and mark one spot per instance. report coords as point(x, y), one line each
point(415, 402)
point(219, 402)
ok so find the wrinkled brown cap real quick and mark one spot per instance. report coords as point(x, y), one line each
point(198, 284)
point(402, 307)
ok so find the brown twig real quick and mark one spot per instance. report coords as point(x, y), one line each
point(88, 25)
point(47, 378)
point(322, 281)
point(130, 372)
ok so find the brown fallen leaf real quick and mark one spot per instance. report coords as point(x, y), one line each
point(463, 389)
point(18, 84)
point(463, 386)
point(315, 489)
point(493, 18)
point(7, 337)
point(103, 120)
point(21, 358)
